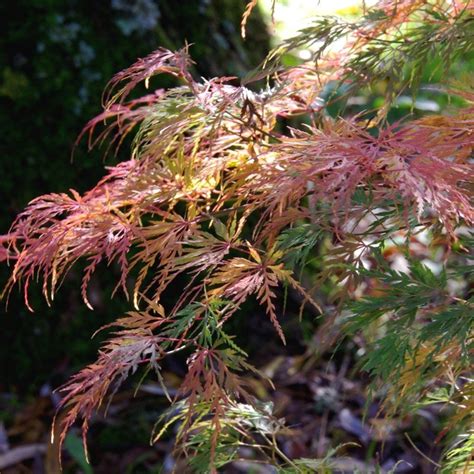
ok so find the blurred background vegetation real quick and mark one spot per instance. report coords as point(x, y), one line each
point(56, 57)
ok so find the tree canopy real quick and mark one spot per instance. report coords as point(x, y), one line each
point(232, 189)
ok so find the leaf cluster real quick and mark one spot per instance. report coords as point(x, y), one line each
point(220, 202)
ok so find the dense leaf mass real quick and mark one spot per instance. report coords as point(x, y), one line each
point(219, 197)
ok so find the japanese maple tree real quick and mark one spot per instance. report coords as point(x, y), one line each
point(220, 194)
